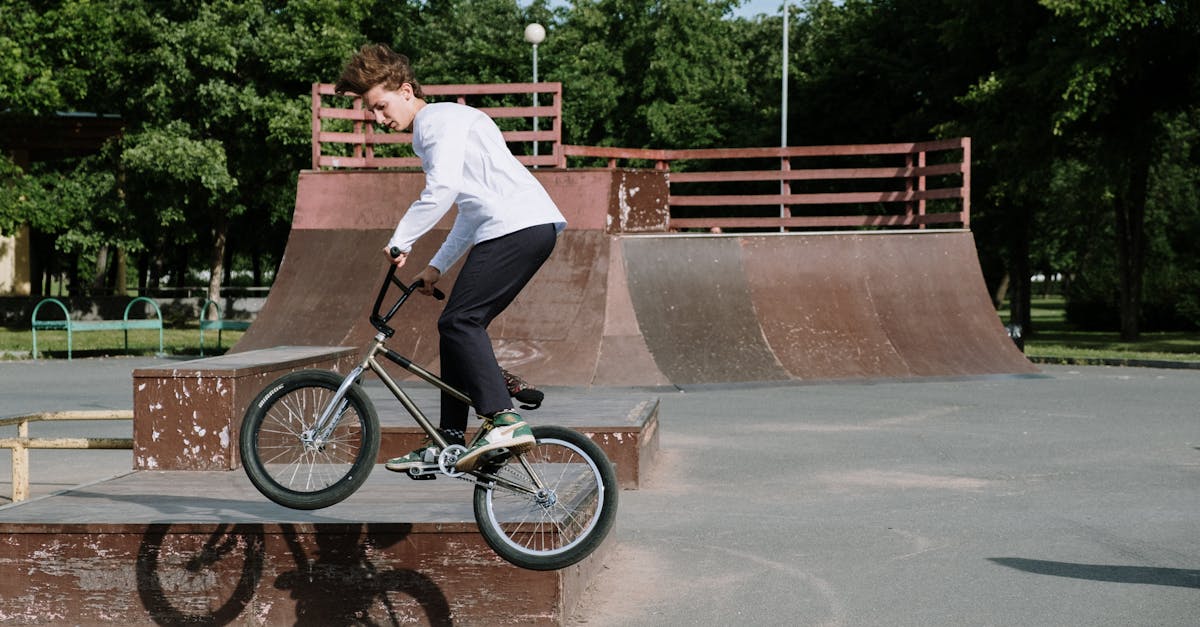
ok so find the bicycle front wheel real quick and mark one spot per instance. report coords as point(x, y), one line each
point(551, 506)
point(288, 461)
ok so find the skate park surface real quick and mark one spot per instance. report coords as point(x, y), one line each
point(1065, 498)
point(843, 434)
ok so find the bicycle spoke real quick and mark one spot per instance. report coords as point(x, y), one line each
point(544, 505)
point(285, 442)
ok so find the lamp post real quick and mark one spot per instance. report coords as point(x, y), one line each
point(783, 138)
point(535, 34)
point(783, 114)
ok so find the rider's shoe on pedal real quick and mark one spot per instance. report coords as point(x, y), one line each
point(425, 457)
point(503, 430)
point(518, 388)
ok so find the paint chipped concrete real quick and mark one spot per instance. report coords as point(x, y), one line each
point(188, 417)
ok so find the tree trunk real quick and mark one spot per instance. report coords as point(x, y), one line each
point(1131, 239)
point(180, 271)
point(158, 265)
point(143, 270)
point(71, 278)
point(256, 265)
point(120, 284)
point(1001, 291)
point(217, 261)
point(101, 270)
point(38, 286)
point(1019, 280)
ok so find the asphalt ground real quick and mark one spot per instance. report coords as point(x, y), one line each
point(1071, 498)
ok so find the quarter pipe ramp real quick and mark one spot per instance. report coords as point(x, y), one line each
point(622, 303)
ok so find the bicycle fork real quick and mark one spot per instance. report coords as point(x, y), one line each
point(322, 429)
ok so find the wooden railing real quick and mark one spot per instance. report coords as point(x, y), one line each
point(358, 145)
point(868, 185)
point(21, 444)
point(904, 185)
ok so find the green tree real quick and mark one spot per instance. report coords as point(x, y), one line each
point(50, 58)
point(1006, 96)
point(1136, 65)
point(653, 73)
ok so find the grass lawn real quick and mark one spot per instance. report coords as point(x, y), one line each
point(17, 343)
point(1054, 340)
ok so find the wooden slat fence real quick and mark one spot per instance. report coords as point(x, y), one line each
point(344, 134)
point(900, 185)
point(911, 185)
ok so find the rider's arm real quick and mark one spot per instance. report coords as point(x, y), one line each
point(442, 148)
point(457, 242)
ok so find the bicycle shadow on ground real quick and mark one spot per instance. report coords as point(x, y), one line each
point(340, 576)
point(1152, 575)
point(230, 561)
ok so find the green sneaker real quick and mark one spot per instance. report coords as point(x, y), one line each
point(424, 458)
point(505, 430)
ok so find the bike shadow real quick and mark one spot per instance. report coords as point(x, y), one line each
point(216, 561)
point(235, 572)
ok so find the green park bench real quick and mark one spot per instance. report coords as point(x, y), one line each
point(73, 326)
point(220, 324)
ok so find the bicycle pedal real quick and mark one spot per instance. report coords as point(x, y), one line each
point(428, 471)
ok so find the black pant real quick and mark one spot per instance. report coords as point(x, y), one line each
point(493, 274)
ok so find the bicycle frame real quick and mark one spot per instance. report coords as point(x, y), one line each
point(325, 425)
point(311, 439)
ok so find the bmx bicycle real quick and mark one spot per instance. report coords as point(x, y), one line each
point(310, 439)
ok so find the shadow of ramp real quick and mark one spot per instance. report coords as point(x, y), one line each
point(1151, 575)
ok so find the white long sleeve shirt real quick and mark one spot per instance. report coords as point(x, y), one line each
point(467, 162)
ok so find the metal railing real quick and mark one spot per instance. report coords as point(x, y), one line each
point(21, 444)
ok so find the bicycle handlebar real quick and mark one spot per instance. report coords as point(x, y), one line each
point(380, 322)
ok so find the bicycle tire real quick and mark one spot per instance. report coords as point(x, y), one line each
point(282, 466)
point(563, 526)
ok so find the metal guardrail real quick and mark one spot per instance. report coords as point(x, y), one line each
point(75, 326)
point(21, 444)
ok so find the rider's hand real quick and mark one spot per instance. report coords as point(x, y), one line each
point(429, 276)
point(398, 259)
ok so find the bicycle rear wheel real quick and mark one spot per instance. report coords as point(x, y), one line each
point(280, 454)
point(563, 521)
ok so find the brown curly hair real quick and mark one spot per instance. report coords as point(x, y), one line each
point(376, 64)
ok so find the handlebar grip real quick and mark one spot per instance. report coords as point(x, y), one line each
point(395, 252)
point(438, 294)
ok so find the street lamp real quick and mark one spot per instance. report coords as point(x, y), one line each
point(784, 186)
point(783, 135)
point(535, 34)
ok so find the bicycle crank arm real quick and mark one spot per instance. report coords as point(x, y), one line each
point(430, 471)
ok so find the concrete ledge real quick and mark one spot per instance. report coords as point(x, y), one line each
point(623, 422)
point(169, 548)
point(187, 417)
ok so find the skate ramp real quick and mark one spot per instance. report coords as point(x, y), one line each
point(615, 306)
point(816, 306)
